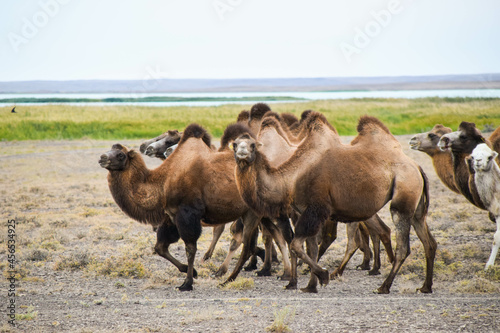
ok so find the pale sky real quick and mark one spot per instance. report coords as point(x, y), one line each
point(132, 39)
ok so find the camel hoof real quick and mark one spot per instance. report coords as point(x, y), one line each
point(363, 267)
point(374, 272)
point(335, 274)
point(291, 286)
point(185, 287)
point(206, 257)
point(312, 290)
point(220, 273)
point(285, 277)
point(323, 277)
point(264, 272)
point(250, 268)
point(381, 290)
point(425, 290)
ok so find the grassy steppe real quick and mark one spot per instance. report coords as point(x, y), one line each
point(402, 116)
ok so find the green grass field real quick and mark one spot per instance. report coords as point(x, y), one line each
point(402, 116)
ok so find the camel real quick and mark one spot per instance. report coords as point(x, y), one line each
point(194, 184)
point(461, 143)
point(277, 149)
point(441, 160)
point(327, 179)
point(486, 174)
point(160, 144)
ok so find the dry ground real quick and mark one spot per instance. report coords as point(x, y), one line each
point(83, 266)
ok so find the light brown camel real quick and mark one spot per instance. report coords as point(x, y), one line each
point(193, 184)
point(327, 179)
point(441, 160)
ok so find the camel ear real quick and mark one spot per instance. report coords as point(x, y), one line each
point(494, 155)
point(259, 144)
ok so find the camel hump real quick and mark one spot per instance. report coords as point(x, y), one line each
point(316, 120)
point(243, 116)
point(441, 129)
point(259, 110)
point(305, 115)
point(270, 122)
point(366, 122)
point(232, 132)
point(196, 131)
point(289, 118)
point(273, 114)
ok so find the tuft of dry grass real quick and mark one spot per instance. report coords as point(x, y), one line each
point(240, 284)
point(282, 318)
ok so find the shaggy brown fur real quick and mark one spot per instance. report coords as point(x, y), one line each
point(289, 118)
point(243, 116)
point(231, 133)
point(315, 181)
point(442, 160)
point(495, 143)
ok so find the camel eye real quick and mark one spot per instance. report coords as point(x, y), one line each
point(121, 156)
point(432, 136)
point(252, 146)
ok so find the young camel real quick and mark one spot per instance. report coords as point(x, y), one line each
point(486, 173)
point(327, 179)
point(194, 184)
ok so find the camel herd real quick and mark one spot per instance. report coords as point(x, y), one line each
point(294, 180)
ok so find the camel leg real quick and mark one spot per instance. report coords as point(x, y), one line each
point(250, 224)
point(350, 249)
point(268, 243)
point(328, 236)
point(277, 235)
point(308, 225)
point(402, 224)
point(362, 238)
point(237, 231)
point(188, 222)
point(495, 246)
point(168, 234)
point(217, 232)
point(379, 231)
point(430, 246)
point(312, 245)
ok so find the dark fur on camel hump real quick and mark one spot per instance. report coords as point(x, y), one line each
point(259, 110)
point(196, 131)
point(366, 121)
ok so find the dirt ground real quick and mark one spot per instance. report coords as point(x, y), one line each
point(83, 266)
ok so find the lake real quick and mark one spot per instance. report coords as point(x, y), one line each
point(211, 99)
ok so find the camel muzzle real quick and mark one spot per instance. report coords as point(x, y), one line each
point(104, 161)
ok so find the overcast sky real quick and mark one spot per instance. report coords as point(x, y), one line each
point(131, 39)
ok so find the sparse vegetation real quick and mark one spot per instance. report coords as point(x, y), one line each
point(240, 283)
point(282, 318)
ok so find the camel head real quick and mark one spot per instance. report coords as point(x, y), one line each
point(245, 148)
point(170, 150)
point(117, 159)
point(482, 158)
point(428, 141)
point(158, 148)
point(462, 141)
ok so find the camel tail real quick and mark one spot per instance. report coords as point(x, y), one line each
point(424, 199)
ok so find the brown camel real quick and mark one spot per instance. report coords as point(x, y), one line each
point(461, 143)
point(193, 184)
point(159, 147)
point(277, 149)
point(327, 179)
point(441, 160)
